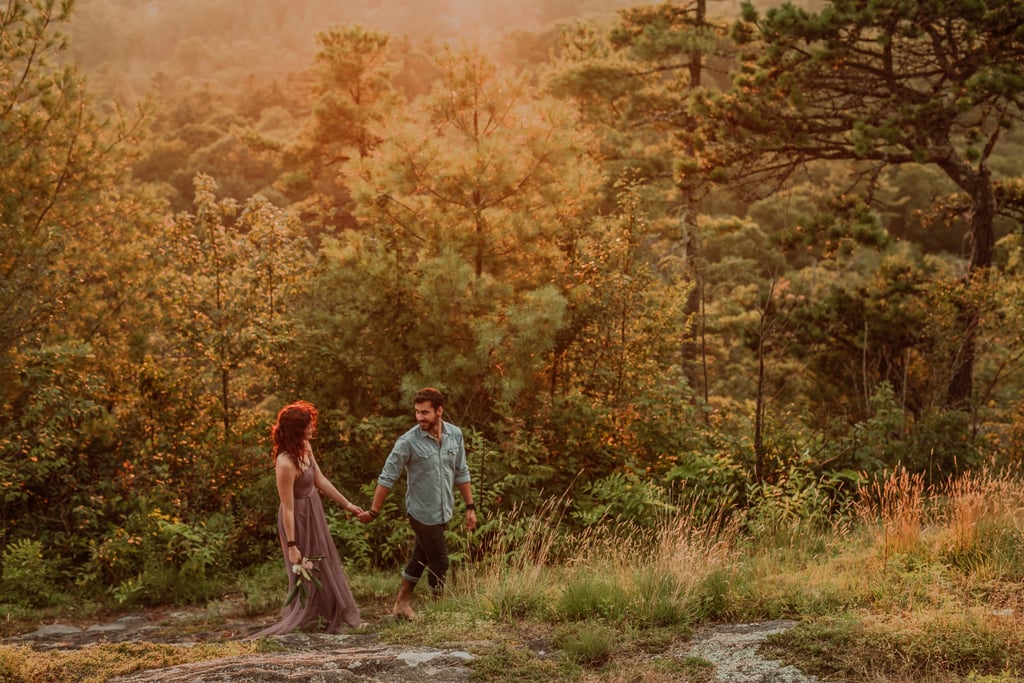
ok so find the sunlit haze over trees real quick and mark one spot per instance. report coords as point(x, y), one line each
point(679, 254)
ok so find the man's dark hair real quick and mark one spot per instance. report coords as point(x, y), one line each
point(435, 397)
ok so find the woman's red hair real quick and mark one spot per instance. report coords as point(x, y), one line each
point(290, 430)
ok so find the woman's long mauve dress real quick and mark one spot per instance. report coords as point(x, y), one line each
point(325, 609)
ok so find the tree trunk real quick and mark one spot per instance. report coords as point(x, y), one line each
point(983, 210)
point(225, 398)
point(697, 57)
point(760, 399)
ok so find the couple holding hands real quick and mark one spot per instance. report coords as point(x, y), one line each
point(432, 454)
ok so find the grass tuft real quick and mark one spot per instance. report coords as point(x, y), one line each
point(587, 644)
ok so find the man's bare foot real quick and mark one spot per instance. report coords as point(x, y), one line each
point(403, 610)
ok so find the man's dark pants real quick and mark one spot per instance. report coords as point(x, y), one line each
point(430, 552)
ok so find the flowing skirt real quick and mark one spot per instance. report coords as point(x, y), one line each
point(327, 609)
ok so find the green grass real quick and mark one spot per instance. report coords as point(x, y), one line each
point(922, 646)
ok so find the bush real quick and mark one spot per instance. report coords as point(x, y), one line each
point(28, 575)
point(156, 559)
point(620, 497)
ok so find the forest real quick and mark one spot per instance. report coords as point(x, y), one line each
point(742, 258)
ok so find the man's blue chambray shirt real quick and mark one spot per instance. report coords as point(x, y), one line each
point(433, 470)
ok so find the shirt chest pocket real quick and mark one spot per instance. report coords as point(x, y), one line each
point(446, 455)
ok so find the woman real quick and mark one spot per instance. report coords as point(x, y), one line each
point(303, 531)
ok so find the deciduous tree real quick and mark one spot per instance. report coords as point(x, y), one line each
point(230, 271)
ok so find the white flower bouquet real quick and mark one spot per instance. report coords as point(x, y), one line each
point(306, 580)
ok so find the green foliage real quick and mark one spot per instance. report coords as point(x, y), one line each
point(803, 93)
point(59, 472)
point(29, 575)
point(262, 585)
point(355, 92)
point(620, 497)
point(386, 542)
point(711, 600)
point(517, 598)
point(229, 276)
point(69, 297)
point(475, 218)
point(603, 338)
point(941, 446)
point(800, 497)
point(708, 481)
point(198, 128)
point(158, 559)
point(351, 539)
point(60, 167)
point(253, 535)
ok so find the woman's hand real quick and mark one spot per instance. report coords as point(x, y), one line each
point(354, 509)
point(294, 555)
point(366, 516)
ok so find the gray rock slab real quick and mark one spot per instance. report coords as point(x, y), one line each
point(50, 631)
point(733, 650)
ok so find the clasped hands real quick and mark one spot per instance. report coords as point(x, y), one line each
point(367, 516)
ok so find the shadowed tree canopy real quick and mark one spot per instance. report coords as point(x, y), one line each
point(889, 82)
point(70, 266)
point(58, 163)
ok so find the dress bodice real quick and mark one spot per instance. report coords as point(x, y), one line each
point(304, 483)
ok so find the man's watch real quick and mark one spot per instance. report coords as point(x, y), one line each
point(470, 506)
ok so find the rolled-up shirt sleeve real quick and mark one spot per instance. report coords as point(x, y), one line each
point(461, 466)
point(395, 464)
point(431, 468)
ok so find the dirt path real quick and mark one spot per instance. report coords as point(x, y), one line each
point(363, 658)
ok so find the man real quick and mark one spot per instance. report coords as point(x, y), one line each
point(433, 455)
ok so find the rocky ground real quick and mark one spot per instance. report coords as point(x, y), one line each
point(363, 658)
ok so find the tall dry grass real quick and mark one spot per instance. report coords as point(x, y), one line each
point(894, 507)
point(960, 517)
point(651, 573)
point(916, 573)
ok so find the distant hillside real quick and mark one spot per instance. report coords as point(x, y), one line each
point(124, 43)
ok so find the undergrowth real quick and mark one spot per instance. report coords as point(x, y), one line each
point(916, 584)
